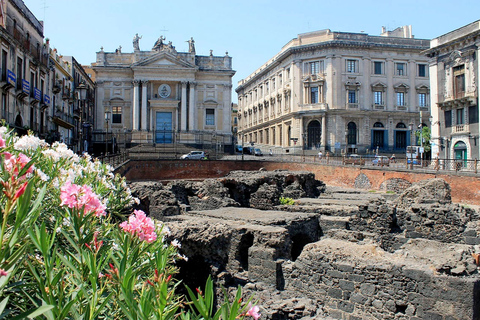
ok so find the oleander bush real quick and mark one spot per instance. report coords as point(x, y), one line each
point(67, 252)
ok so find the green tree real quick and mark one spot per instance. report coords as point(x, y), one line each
point(426, 135)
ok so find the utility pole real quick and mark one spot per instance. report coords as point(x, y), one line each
point(421, 139)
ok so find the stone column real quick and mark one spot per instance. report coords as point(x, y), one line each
point(144, 105)
point(135, 105)
point(183, 120)
point(191, 107)
point(323, 141)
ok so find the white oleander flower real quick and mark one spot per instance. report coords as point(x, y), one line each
point(176, 243)
point(29, 142)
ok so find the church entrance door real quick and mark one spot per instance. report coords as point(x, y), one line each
point(163, 127)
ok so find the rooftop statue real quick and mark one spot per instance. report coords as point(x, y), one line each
point(136, 40)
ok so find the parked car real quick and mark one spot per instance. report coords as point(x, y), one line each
point(238, 148)
point(194, 155)
point(354, 159)
point(248, 150)
point(258, 152)
point(381, 161)
point(415, 161)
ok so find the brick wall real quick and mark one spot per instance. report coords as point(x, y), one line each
point(465, 189)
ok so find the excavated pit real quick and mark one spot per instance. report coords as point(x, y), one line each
point(336, 254)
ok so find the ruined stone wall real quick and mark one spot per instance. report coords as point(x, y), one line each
point(364, 282)
point(464, 188)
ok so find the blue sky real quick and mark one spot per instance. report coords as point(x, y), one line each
point(251, 31)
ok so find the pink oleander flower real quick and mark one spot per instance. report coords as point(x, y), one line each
point(75, 196)
point(3, 273)
point(2, 143)
point(140, 225)
point(20, 191)
point(14, 164)
point(253, 311)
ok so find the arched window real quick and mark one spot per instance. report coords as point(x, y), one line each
point(401, 125)
point(378, 125)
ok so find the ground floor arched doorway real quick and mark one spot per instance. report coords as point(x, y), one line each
point(314, 135)
point(460, 153)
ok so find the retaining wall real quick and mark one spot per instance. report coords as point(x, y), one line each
point(465, 189)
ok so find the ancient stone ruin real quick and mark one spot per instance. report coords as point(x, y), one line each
point(334, 254)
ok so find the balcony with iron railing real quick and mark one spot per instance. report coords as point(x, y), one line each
point(63, 118)
point(34, 50)
point(401, 107)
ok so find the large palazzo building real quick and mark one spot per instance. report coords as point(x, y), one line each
point(454, 74)
point(24, 75)
point(163, 96)
point(337, 91)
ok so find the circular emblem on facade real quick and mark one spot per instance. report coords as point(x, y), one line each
point(164, 91)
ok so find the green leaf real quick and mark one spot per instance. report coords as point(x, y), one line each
point(3, 304)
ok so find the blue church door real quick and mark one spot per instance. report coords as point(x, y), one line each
point(163, 127)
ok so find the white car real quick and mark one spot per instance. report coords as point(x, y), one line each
point(194, 155)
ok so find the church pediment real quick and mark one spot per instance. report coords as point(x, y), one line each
point(163, 60)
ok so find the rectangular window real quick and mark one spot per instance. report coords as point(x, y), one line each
point(210, 117)
point(352, 96)
point(473, 114)
point(459, 81)
point(378, 67)
point(448, 118)
point(400, 69)
point(422, 70)
point(116, 114)
point(314, 67)
point(19, 73)
point(4, 65)
point(460, 116)
point(4, 107)
point(273, 84)
point(422, 100)
point(314, 95)
point(352, 66)
point(378, 97)
point(400, 98)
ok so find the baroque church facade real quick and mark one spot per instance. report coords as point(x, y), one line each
point(162, 96)
point(338, 92)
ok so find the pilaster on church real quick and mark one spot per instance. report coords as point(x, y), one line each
point(135, 104)
point(144, 105)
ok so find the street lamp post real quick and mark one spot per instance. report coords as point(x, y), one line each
point(421, 139)
point(107, 119)
point(82, 97)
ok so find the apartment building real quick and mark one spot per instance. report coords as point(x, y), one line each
point(339, 92)
point(454, 74)
point(24, 69)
